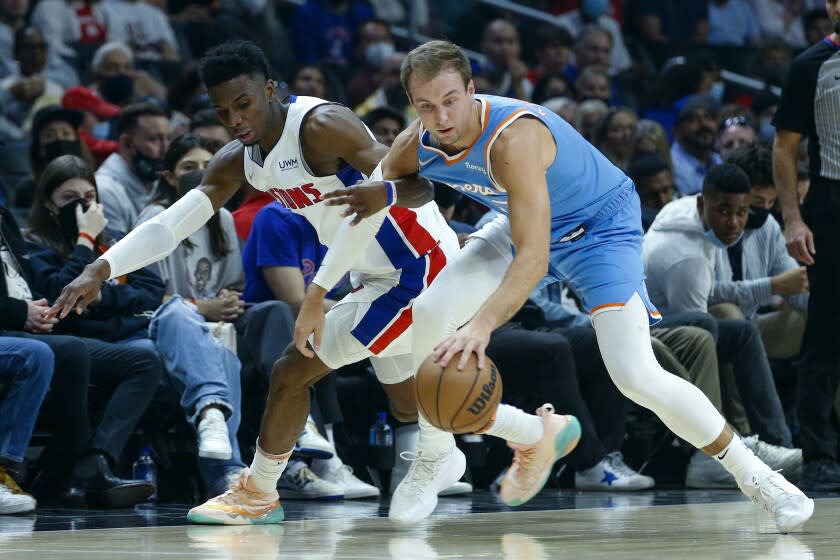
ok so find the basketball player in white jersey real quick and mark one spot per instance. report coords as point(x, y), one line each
point(298, 149)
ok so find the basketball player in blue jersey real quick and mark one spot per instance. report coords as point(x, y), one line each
point(298, 149)
point(564, 210)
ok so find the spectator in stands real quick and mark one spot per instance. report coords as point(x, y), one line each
point(126, 179)
point(764, 107)
point(817, 26)
point(23, 93)
point(117, 80)
point(549, 86)
point(96, 111)
point(589, 114)
point(309, 80)
point(54, 133)
point(614, 135)
point(678, 80)
point(130, 314)
point(206, 124)
point(27, 367)
point(385, 123)
point(76, 463)
point(758, 271)
point(593, 82)
point(772, 62)
point(654, 181)
point(782, 20)
point(565, 107)
point(391, 93)
point(68, 24)
point(553, 47)
point(374, 46)
point(663, 25)
point(732, 23)
point(650, 138)
point(504, 73)
point(595, 14)
point(733, 133)
point(324, 30)
point(142, 26)
point(692, 153)
point(679, 256)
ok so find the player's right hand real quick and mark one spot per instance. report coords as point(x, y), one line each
point(800, 241)
point(364, 199)
point(82, 291)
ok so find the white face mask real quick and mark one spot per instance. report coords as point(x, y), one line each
point(377, 53)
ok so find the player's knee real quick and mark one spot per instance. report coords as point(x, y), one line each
point(294, 372)
point(404, 410)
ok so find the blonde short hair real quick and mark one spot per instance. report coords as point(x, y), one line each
point(430, 58)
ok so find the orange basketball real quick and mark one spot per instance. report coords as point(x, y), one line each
point(456, 401)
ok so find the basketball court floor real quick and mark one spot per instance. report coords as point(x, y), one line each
point(557, 524)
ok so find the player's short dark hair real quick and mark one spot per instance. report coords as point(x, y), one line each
point(230, 60)
point(646, 165)
point(726, 179)
point(204, 117)
point(756, 161)
point(384, 113)
point(130, 116)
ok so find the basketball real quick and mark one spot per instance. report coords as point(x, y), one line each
point(455, 401)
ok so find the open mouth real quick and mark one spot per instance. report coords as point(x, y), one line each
point(244, 136)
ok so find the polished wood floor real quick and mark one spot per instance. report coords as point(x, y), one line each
point(613, 526)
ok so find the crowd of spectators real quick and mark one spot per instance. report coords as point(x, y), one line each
point(104, 124)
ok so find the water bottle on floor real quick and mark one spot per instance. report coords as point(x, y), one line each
point(381, 450)
point(144, 468)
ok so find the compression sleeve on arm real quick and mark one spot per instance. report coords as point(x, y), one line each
point(349, 242)
point(153, 240)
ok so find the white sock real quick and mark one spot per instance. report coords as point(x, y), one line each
point(405, 439)
point(266, 469)
point(739, 460)
point(433, 441)
point(516, 426)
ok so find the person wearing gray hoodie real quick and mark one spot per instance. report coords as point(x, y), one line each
point(679, 256)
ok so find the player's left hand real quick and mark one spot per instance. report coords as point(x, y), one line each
point(364, 199)
point(310, 321)
point(472, 338)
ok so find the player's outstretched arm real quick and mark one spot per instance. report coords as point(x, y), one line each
point(519, 159)
point(155, 239)
point(400, 167)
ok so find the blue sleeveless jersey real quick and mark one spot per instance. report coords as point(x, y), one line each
point(580, 179)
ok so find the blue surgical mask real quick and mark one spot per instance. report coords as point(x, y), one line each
point(710, 236)
point(593, 9)
point(376, 54)
point(766, 131)
point(102, 130)
point(717, 91)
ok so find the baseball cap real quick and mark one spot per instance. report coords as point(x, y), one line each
point(53, 113)
point(84, 99)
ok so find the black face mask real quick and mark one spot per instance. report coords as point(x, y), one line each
point(67, 218)
point(189, 181)
point(147, 168)
point(757, 217)
point(117, 89)
point(61, 148)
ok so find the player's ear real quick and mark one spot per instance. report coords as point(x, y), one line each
point(270, 89)
point(471, 88)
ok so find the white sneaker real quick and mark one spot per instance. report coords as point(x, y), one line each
point(417, 494)
point(213, 439)
point(298, 482)
point(353, 487)
point(612, 473)
point(12, 498)
point(457, 489)
point(705, 472)
point(772, 492)
point(312, 444)
point(778, 458)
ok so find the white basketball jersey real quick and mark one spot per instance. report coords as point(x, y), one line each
point(406, 235)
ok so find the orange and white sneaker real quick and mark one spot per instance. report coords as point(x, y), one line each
point(239, 506)
point(532, 463)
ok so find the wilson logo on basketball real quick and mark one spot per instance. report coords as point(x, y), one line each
point(487, 391)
